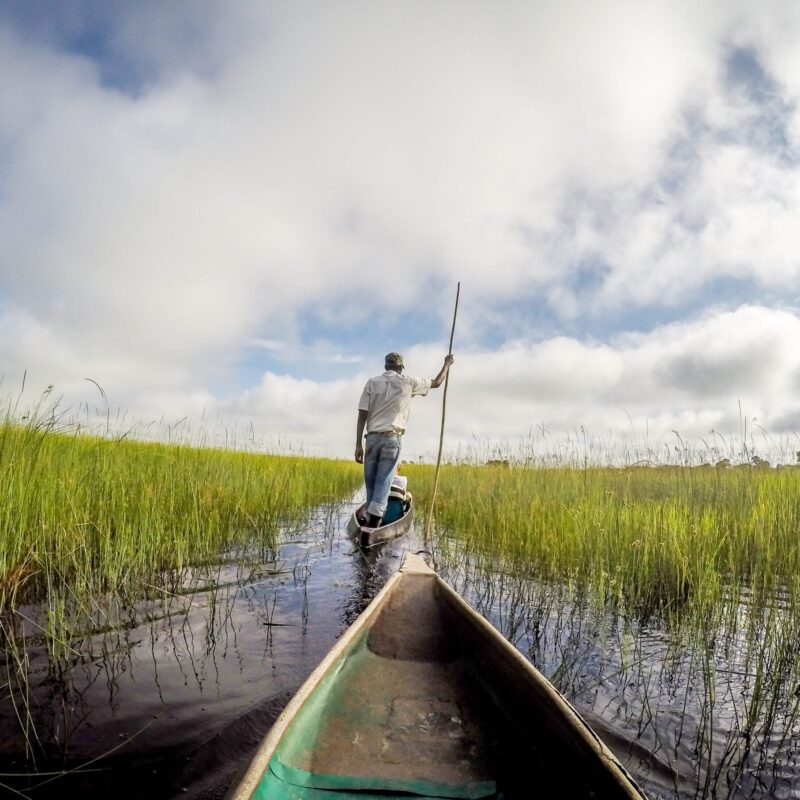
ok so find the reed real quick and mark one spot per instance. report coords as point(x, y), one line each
point(654, 539)
point(665, 599)
point(95, 516)
point(91, 526)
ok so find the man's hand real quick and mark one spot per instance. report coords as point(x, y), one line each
point(362, 421)
point(439, 379)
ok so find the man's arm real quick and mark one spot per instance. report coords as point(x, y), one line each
point(439, 379)
point(362, 421)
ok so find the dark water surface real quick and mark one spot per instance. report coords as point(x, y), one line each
point(173, 697)
point(689, 717)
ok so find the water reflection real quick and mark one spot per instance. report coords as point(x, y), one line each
point(175, 691)
point(147, 686)
point(691, 714)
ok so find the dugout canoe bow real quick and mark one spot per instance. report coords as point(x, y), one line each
point(422, 696)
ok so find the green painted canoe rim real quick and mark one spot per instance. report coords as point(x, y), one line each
point(359, 783)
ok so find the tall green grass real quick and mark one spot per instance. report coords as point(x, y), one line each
point(91, 526)
point(706, 558)
point(96, 515)
point(651, 538)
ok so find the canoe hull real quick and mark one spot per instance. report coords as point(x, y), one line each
point(423, 695)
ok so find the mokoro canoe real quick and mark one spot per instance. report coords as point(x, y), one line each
point(422, 696)
point(367, 537)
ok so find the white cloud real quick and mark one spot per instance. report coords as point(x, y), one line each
point(695, 378)
point(303, 163)
point(268, 344)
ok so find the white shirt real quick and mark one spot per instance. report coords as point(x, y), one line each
point(387, 400)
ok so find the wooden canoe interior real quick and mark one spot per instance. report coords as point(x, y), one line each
point(426, 704)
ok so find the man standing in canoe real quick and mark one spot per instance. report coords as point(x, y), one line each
point(383, 408)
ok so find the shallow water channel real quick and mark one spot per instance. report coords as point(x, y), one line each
point(171, 698)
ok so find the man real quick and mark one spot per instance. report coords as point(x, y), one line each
point(383, 408)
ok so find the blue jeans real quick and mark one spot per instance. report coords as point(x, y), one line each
point(381, 457)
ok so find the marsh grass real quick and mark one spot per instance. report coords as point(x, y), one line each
point(102, 516)
point(685, 579)
point(94, 523)
point(666, 540)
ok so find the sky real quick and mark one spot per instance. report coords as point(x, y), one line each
point(225, 214)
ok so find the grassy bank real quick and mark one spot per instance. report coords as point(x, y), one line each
point(96, 533)
point(102, 516)
point(650, 538)
point(670, 593)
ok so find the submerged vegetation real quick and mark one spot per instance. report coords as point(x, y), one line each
point(84, 518)
point(679, 585)
point(652, 539)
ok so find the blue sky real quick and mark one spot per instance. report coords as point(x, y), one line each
point(237, 210)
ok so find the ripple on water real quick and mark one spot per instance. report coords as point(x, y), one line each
point(182, 688)
point(186, 685)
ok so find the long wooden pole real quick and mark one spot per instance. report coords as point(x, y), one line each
point(429, 516)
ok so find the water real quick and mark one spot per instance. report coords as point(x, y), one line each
point(689, 717)
point(172, 697)
point(177, 697)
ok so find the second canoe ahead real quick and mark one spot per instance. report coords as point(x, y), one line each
point(367, 537)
